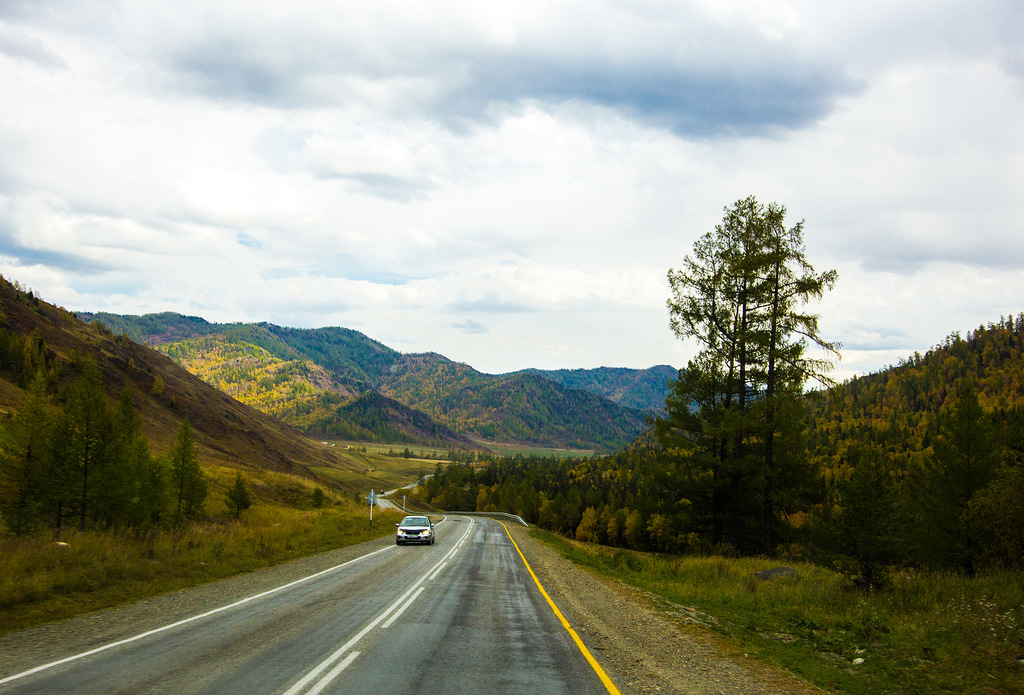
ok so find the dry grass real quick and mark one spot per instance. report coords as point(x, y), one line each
point(42, 580)
point(930, 633)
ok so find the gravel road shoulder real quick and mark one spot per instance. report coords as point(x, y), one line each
point(644, 643)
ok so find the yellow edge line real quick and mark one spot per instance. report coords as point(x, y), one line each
point(565, 623)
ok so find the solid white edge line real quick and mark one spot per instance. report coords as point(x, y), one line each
point(333, 674)
point(207, 614)
point(248, 599)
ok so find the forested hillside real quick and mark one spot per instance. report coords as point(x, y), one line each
point(903, 408)
point(353, 359)
point(149, 478)
point(309, 377)
point(514, 407)
point(920, 464)
point(302, 392)
point(154, 329)
point(100, 431)
point(164, 394)
point(641, 389)
point(927, 457)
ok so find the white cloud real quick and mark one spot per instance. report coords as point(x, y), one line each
point(19, 44)
point(507, 183)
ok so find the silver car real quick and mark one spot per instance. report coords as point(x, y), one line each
point(415, 529)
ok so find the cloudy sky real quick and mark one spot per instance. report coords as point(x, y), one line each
point(508, 183)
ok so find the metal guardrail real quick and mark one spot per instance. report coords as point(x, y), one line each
point(510, 517)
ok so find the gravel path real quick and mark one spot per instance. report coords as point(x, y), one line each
point(645, 645)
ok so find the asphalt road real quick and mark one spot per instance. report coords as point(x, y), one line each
point(461, 616)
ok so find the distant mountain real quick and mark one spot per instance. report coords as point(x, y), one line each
point(303, 375)
point(387, 420)
point(516, 407)
point(154, 329)
point(641, 389)
point(351, 357)
point(279, 371)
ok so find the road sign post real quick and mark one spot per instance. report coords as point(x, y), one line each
point(372, 499)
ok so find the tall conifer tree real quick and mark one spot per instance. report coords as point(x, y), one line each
point(90, 430)
point(187, 477)
point(24, 450)
point(729, 424)
point(967, 456)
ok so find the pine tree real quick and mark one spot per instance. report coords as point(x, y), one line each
point(24, 452)
point(996, 519)
point(115, 493)
point(861, 538)
point(187, 478)
point(91, 439)
point(238, 499)
point(634, 530)
point(142, 491)
point(789, 283)
point(60, 475)
point(966, 459)
point(588, 525)
point(730, 416)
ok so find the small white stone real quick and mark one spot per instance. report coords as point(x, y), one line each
point(858, 661)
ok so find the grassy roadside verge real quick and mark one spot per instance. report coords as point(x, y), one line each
point(41, 581)
point(931, 633)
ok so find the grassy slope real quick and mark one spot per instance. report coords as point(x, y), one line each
point(228, 433)
point(379, 471)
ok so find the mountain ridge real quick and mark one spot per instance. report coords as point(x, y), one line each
point(558, 412)
point(642, 389)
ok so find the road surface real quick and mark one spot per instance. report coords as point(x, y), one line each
point(461, 616)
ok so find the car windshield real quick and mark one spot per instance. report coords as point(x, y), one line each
point(416, 522)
